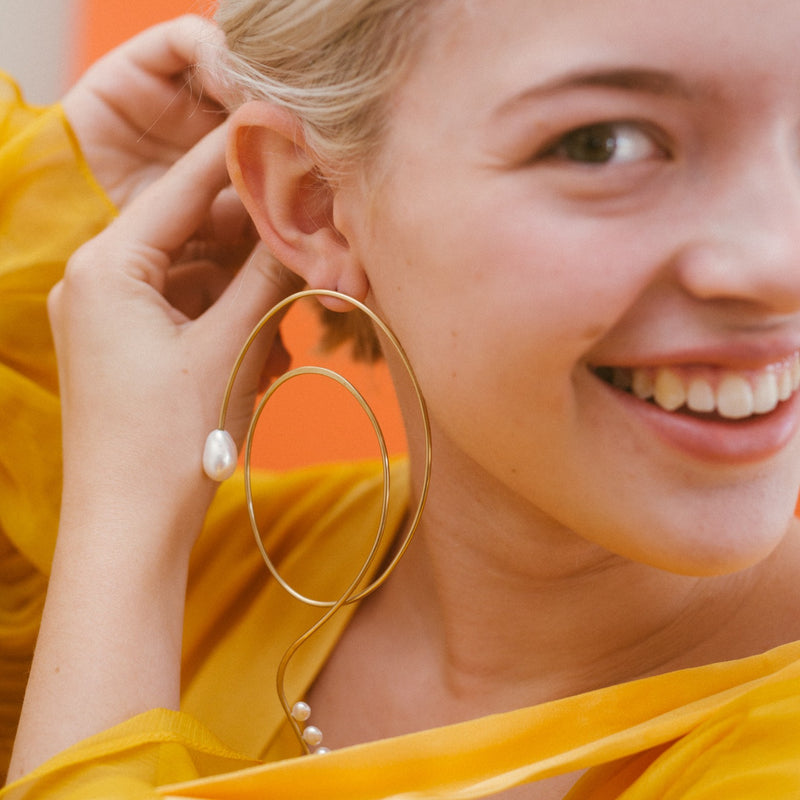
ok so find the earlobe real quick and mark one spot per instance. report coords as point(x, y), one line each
point(288, 198)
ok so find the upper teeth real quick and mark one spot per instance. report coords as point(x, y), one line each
point(733, 394)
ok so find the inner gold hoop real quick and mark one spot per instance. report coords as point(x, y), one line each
point(349, 595)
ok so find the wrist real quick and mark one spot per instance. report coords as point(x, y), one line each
point(124, 503)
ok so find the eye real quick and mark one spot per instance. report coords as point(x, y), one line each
point(605, 143)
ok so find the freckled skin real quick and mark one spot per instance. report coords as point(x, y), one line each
point(536, 265)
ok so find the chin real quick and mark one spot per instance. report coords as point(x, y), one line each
point(715, 549)
point(702, 531)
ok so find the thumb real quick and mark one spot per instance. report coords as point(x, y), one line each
point(261, 283)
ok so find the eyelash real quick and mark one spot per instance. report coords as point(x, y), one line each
point(606, 142)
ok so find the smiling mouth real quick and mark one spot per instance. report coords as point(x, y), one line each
point(704, 390)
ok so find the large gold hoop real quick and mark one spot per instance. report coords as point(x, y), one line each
point(220, 458)
point(348, 594)
point(230, 458)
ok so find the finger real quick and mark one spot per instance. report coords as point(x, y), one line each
point(229, 233)
point(169, 66)
point(190, 45)
point(194, 286)
point(278, 361)
point(260, 284)
point(166, 214)
point(170, 47)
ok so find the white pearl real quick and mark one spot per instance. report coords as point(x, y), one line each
point(321, 751)
point(312, 735)
point(301, 711)
point(219, 455)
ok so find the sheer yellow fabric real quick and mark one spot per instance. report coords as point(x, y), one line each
point(724, 730)
point(713, 735)
point(49, 204)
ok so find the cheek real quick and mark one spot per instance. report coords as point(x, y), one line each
point(496, 302)
point(502, 302)
point(495, 358)
point(497, 320)
point(485, 261)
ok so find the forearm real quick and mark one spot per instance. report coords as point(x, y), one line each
point(141, 379)
point(110, 641)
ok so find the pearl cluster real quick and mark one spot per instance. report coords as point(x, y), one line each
point(312, 735)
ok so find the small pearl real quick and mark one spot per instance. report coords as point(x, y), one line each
point(219, 455)
point(320, 751)
point(312, 735)
point(301, 711)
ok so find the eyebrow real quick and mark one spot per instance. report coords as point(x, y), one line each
point(632, 79)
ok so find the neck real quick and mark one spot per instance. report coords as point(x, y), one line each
point(519, 611)
point(489, 611)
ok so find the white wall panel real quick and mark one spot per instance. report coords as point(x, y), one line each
point(35, 45)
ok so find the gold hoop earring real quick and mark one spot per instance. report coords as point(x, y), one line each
point(220, 457)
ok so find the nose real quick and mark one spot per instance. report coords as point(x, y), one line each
point(744, 241)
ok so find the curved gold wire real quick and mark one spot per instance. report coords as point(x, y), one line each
point(347, 595)
point(311, 370)
point(350, 595)
point(274, 311)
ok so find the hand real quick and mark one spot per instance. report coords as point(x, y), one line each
point(142, 106)
point(143, 364)
point(147, 323)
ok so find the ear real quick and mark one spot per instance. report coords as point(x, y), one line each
point(290, 202)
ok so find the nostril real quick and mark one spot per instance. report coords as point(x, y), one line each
point(759, 269)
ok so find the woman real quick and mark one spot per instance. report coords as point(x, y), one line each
point(65, 171)
point(582, 225)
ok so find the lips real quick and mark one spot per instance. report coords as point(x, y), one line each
point(733, 394)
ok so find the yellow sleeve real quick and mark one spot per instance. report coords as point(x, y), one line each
point(317, 523)
point(750, 750)
point(49, 204)
point(128, 761)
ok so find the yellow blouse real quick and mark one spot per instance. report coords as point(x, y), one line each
point(723, 730)
point(49, 204)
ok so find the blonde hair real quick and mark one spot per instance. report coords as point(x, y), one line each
point(333, 64)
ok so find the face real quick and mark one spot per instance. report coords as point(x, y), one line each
point(585, 229)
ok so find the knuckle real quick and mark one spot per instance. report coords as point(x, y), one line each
point(54, 300)
point(83, 263)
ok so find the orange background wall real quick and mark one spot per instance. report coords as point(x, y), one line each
point(309, 419)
